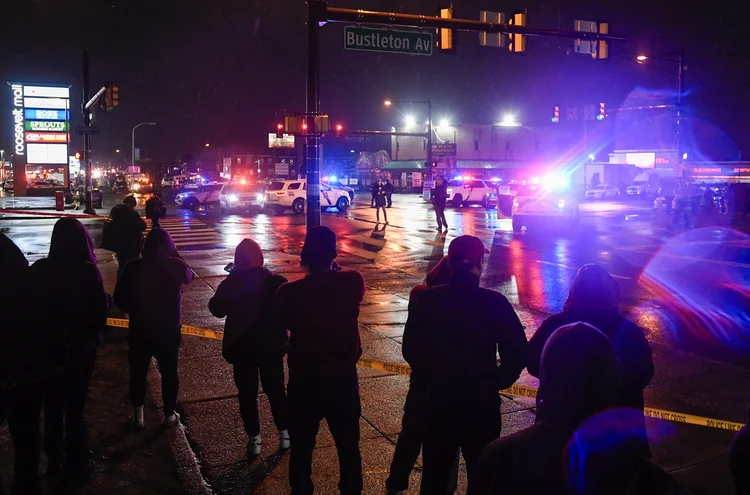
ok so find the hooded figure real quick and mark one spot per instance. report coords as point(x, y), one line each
point(22, 357)
point(150, 291)
point(254, 339)
point(126, 229)
point(78, 318)
point(324, 347)
point(581, 376)
point(594, 298)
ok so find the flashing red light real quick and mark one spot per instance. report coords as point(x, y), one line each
point(339, 127)
point(304, 126)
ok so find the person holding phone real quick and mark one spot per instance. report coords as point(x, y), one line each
point(255, 340)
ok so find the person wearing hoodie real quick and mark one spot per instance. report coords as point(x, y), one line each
point(128, 227)
point(324, 347)
point(254, 339)
point(580, 446)
point(739, 458)
point(23, 360)
point(410, 439)
point(459, 361)
point(594, 299)
point(150, 291)
point(78, 317)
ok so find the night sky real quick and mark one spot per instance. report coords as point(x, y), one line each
point(223, 72)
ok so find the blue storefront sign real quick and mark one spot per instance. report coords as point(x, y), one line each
point(33, 114)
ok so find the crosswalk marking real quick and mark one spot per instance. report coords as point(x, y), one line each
point(191, 233)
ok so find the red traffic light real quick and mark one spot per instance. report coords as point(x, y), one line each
point(279, 131)
point(279, 126)
point(339, 127)
point(78, 155)
point(304, 126)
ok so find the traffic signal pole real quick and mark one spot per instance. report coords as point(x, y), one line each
point(88, 182)
point(318, 13)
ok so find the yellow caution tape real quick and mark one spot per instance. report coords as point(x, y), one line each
point(521, 391)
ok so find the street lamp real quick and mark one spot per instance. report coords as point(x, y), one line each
point(132, 142)
point(117, 151)
point(207, 145)
point(410, 122)
point(680, 61)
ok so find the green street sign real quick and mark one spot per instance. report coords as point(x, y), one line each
point(46, 125)
point(365, 39)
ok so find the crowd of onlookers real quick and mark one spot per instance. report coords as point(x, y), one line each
point(592, 363)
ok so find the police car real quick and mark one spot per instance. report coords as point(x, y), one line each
point(472, 191)
point(203, 196)
point(547, 200)
point(284, 194)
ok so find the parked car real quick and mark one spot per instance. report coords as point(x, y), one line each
point(342, 187)
point(238, 196)
point(462, 193)
point(202, 196)
point(603, 191)
point(169, 181)
point(281, 195)
point(8, 185)
point(120, 186)
point(538, 205)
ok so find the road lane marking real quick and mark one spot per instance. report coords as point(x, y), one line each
point(621, 277)
point(368, 240)
point(362, 253)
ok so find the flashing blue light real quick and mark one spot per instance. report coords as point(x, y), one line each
point(600, 117)
point(555, 120)
point(334, 178)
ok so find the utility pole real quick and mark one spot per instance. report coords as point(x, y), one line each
point(312, 139)
point(429, 139)
point(680, 71)
point(88, 181)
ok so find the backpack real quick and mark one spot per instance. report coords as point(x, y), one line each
point(111, 238)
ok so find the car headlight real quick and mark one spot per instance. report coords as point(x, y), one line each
point(233, 198)
point(260, 197)
point(136, 186)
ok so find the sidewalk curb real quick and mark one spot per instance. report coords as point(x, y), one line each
point(188, 466)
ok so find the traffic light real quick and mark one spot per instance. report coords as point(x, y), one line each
point(445, 36)
point(339, 128)
point(433, 164)
point(602, 112)
point(78, 155)
point(110, 99)
point(556, 114)
point(304, 126)
point(279, 131)
point(518, 41)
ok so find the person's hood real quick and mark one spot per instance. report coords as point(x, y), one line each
point(248, 255)
point(158, 244)
point(593, 288)
point(440, 275)
point(580, 375)
point(12, 259)
point(71, 242)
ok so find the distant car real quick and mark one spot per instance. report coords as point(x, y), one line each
point(462, 193)
point(602, 191)
point(237, 196)
point(537, 204)
point(169, 181)
point(203, 196)
point(338, 185)
point(8, 185)
point(281, 195)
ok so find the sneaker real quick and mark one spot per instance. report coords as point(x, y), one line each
point(138, 421)
point(284, 441)
point(253, 446)
point(171, 420)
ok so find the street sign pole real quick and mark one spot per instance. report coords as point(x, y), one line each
point(312, 139)
point(429, 139)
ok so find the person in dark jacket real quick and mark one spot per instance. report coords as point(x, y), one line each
point(739, 458)
point(22, 362)
point(324, 347)
point(79, 316)
point(389, 192)
point(410, 439)
point(459, 362)
point(150, 291)
point(380, 202)
point(129, 228)
point(582, 446)
point(439, 198)
point(594, 299)
point(374, 190)
point(254, 339)
point(155, 209)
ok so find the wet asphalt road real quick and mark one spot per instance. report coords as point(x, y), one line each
point(688, 289)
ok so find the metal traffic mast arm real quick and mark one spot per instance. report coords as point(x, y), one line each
point(334, 14)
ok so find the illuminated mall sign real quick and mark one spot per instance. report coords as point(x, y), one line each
point(44, 125)
point(641, 160)
point(41, 117)
point(46, 137)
